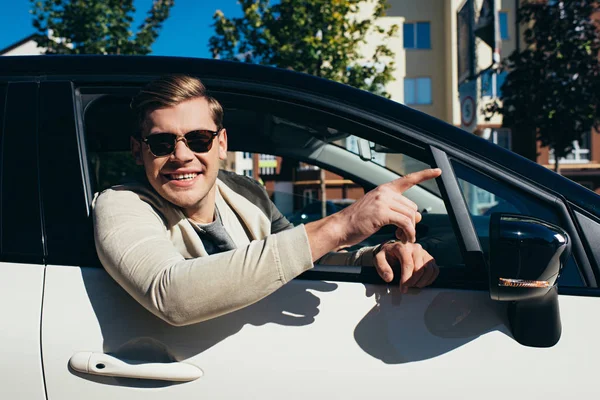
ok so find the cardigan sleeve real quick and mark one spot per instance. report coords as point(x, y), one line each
point(133, 246)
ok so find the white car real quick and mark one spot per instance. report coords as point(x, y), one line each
point(514, 313)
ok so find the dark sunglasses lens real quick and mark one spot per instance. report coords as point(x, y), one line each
point(199, 141)
point(161, 144)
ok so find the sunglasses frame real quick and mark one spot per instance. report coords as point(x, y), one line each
point(184, 139)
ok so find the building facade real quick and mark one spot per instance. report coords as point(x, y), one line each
point(443, 70)
point(24, 47)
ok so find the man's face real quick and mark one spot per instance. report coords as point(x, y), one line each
point(166, 174)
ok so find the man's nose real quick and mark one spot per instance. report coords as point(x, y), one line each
point(182, 152)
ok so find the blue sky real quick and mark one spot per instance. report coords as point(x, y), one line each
point(185, 33)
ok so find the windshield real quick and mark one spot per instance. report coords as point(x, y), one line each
point(394, 161)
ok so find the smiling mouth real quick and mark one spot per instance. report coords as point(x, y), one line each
point(181, 177)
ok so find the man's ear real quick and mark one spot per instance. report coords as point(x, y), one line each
point(136, 150)
point(222, 138)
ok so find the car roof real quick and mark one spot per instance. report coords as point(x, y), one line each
point(136, 68)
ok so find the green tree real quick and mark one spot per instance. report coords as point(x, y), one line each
point(96, 26)
point(552, 90)
point(322, 38)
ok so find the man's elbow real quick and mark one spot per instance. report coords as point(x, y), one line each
point(166, 302)
point(172, 317)
point(180, 311)
point(175, 320)
point(176, 306)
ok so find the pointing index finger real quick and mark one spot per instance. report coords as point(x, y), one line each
point(412, 179)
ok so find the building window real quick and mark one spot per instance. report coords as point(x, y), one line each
point(579, 155)
point(248, 173)
point(267, 171)
point(417, 91)
point(417, 35)
point(503, 21)
point(267, 164)
point(491, 83)
point(247, 155)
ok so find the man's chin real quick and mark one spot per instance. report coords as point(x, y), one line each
point(184, 202)
point(184, 199)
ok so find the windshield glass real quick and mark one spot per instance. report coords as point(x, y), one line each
point(394, 161)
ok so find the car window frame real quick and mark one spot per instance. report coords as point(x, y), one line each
point(68, 229)
point(554, 200)
point(21, 217)
point(390, 131)
point(411, 147)
point(551, 213)
point(410, 132)
point(3, 102)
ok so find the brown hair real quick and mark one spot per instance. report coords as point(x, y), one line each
point(169, 91)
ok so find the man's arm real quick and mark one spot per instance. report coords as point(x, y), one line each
point(133, 245)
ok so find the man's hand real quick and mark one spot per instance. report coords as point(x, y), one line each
point(418, 268)
point(382, 206)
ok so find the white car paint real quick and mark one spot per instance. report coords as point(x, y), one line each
point(21, 287)
point(314, 339)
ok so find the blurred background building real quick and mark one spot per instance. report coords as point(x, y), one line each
point(24, 47)
point(443, 68)
point(444, 71)
point(443, 56)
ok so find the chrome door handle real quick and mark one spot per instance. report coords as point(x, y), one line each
point(102, 364)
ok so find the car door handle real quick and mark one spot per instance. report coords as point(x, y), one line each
point(102, 364)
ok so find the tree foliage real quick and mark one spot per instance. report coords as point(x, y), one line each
point(96, 26)
point(322, 38)
point(552, 90)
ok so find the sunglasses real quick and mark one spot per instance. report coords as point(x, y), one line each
point(163, 144)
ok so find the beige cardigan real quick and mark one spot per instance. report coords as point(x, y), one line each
point(151, 249)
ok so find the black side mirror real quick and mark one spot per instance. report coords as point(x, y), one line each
point(526, 257)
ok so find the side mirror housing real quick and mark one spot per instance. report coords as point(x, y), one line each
point(526, 257)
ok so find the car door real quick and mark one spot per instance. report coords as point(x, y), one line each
point(332, 333)
point(21, 246)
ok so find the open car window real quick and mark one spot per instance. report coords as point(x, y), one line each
point(286, 151)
